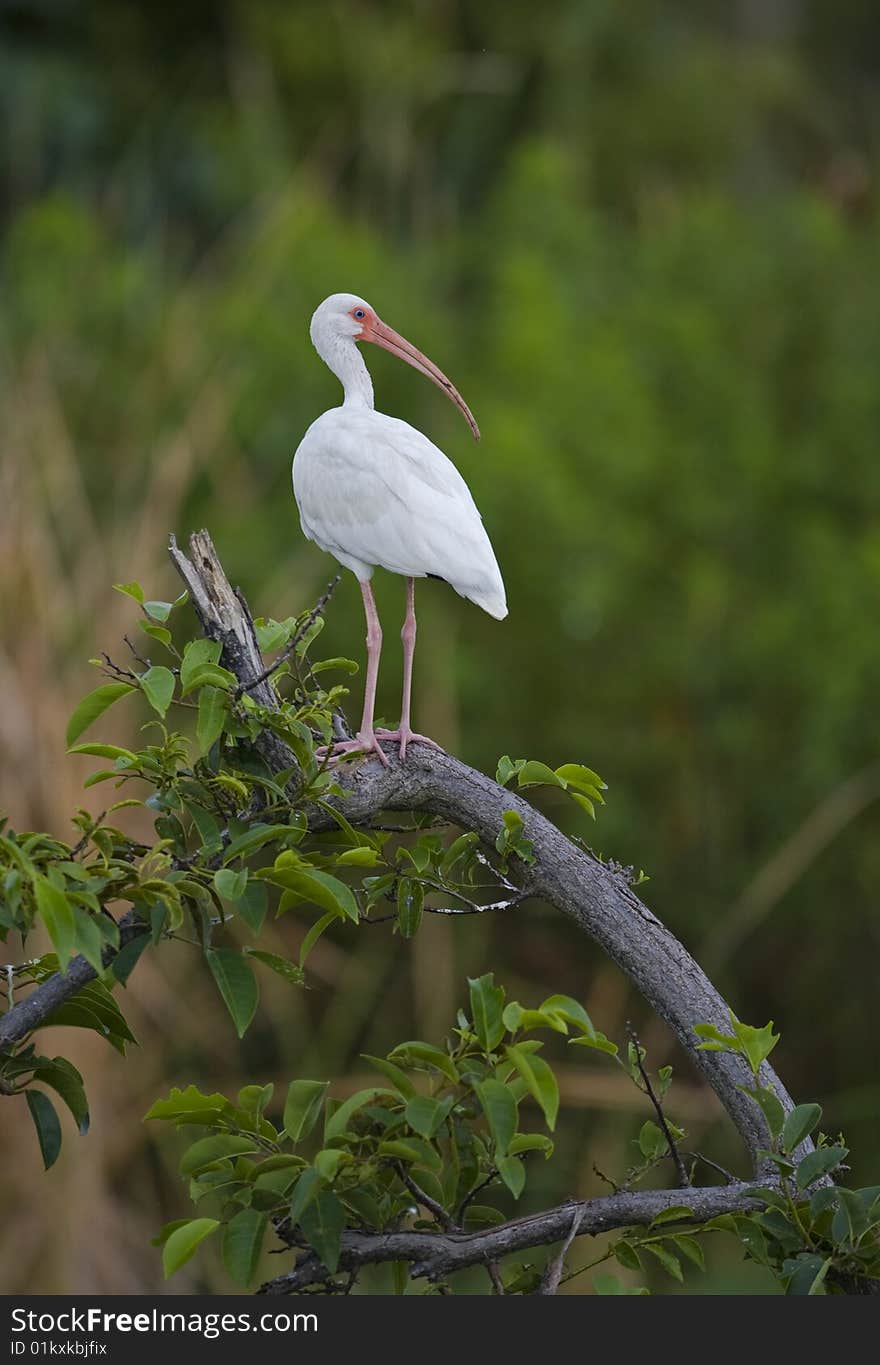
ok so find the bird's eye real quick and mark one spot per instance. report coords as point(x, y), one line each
point(359, 313)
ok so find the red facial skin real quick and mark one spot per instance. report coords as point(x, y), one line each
point(380, 334)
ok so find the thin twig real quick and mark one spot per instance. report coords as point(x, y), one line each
point(707, 1161)
point(469, 1198)
point(297, 637)
point(495, 1277)
point(555, 1266)
point(472, 908)
point(446, 1222)
point(683, 1177)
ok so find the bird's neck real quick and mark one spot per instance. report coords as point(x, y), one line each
point(345, 360)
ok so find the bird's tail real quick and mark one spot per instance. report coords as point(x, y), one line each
point(492, 599)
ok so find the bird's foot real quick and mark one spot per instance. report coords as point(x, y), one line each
point(404, 737)
point(367, 743)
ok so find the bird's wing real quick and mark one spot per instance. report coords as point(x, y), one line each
point(377, 491)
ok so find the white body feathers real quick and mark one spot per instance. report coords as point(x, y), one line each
point(372, 490)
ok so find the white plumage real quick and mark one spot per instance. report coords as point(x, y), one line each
point(376, 493)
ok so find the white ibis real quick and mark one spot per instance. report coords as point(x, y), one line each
point(376, 493)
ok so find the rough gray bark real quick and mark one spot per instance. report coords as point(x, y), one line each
point(35, 1008)
point(437, 1254)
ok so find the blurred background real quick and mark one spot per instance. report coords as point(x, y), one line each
point(643, 241)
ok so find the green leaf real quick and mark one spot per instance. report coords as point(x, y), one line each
point(506, 769)
point(666, 1258)
point(412, 1053)
point(584, 779)
point(533, 774)
point(131, 590)
point(271, 634)
point(487, 1006)
point(57, 915)
point(851, 1219)
point(345, 665)
point(818, 1163)
point(210, 675)
point(807, 1273)
point(318, 887)
point(539, 1079)
point(190, 1105)
point(530, 1142)
point(770, 1107)
point(219, 1147)
point(182, 1243)
point(315, 933)
point(410, 899)
point(323, 1222)
point(500, 1109)
point(93, 1007)
point(302, 1107)
point(195, 655)
point(306, 1189)
point(571, 1010)
point(404, 1149)
point(211, 718)
point(756, 1044)
point(337, 1123)
point(94, 705)
point(799, 1124)
point(289, 971)
point(359, 857)
point(47, 1125)
point(689, 1247)
point(652, 1143)
point(88, 939)
point(237, 985)
point(64, 1078)
point(516, 1018)
point(426, 1115)
point(251, 907)
point(242, 1242)
point(230, 885)
point(513, 1173)
point(328, 1161)
point(627, 1255)
point(126, 959)
point(596, 1040)
point(157, 685)
point(156, 632)
point(158, 611)
point(394, 1074)
point(107, 751)
point(674, 1213)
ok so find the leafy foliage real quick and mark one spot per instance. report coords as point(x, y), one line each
point(813, 1234)
point(445, 1127)
point(231, 843)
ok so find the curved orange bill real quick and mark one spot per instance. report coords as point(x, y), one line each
point(386, 337)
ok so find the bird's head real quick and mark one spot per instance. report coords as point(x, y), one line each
point(348, 318)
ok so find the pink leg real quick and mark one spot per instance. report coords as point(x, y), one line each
point(405, 734)
point(366, 741)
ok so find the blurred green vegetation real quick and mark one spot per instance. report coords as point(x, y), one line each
point(642, 240)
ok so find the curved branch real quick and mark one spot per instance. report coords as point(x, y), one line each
point(36, 1007)
point(596, 896)
point(434, 1255)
